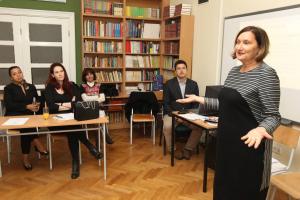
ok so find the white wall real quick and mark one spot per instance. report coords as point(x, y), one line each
point(208, 35)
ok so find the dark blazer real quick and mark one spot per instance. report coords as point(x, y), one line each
point(172, 93)
point(15, 100)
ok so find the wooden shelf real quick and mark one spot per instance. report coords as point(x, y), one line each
point(145, 19)
point(170, 54)
point(172, 39)
point(139, 81)
point(102, 16)
point(105, 68)
point(174, 17)
point(172, 70)
point(107, 82)
point(100, 38)
point(147, 54)
point(144, 39)
point(142, 68)
point(98, 53)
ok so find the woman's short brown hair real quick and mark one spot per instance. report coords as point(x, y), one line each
point(261, 38)
point(87, 71)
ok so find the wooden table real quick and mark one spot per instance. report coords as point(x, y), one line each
point(198, 123)
point(37, 121)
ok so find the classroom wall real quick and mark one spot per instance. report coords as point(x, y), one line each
point(208, 38)
point(70, 6)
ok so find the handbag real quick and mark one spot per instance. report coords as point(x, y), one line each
point(85, 110)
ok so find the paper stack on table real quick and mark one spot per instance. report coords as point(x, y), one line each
point(193, 116)
point(15, 121)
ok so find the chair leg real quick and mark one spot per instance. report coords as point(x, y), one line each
point(131, 130)
point(8, 143)
point(144, 129)
point(50, 151)
point(0, 169)
point(153, 132)
point(79, 149)
point(164, 145)
point(99, 141)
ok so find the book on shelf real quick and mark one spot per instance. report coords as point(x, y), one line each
point(172, 29)
point(102, 47)
point(111, 76)
point(168, 75)
point(169, 62)
point(142, 47)
point(101, 28)
point(157, 83)
point(140, 75)
point(142, 61)
point(103, 7)
point(140, 12)
point(139, 29)
point(103, 62)
point(172, 47)
point(183, 9)
point(169, 11)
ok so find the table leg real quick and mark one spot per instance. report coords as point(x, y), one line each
point(104, 150)
point(99, 141)
point(0, 169)
point(205, 163)
point(172, 141)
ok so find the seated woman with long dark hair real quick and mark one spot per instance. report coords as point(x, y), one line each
point(59, 95)
point(20, 99)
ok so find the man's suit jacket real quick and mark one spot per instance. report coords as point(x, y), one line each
point(172, 92)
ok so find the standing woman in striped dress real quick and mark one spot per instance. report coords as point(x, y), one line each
point(248, 107)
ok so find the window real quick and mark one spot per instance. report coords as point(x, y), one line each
point(33, 40)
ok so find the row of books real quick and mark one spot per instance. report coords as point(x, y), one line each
point(172, 29)
point(101, 28)
point(141, 75)
point(105, 62)
point(169, 62)
point(139, 29)
point(142, 61)
point(132, 11)
point(102, 47)
point(115, 117)
point(180, 9)
point(142, 47)
point(112, 76)
point(103, 7)
point(183, 9)
point(172, 47)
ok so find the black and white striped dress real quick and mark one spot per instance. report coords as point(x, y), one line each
point(261, 91)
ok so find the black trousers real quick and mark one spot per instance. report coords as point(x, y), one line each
point(27, 139)
point(73, 139)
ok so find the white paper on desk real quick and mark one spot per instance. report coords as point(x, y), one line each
point(193, 116)
point(64, 116)
point(15, 121)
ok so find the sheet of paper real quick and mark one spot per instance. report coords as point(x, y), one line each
point(15, 121)
point(64, 116)
point(193, 116)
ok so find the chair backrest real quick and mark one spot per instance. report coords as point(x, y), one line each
point(288, 137)
point(141, 102)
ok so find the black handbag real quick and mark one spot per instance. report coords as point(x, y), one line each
point(85, 110)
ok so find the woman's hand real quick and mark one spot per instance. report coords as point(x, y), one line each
point(191, 98)
point(32, 107)
point(255, 136)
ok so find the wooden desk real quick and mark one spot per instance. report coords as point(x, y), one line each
point(198, 123)
point(37, 121)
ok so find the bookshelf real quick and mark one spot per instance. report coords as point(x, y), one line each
point(115, 32)
point(177, 43)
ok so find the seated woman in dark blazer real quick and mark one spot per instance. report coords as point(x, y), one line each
point(19, 99)
point(59, 95)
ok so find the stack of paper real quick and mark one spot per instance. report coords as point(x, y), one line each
point(15, 121)
point(193, 116)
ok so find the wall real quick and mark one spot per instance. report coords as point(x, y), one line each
point(208, 37)
point(70, 6)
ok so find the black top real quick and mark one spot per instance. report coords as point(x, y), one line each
point(172, 92)
point(15, 100)
point(52, 97)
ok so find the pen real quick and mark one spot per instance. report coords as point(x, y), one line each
point(59, 116)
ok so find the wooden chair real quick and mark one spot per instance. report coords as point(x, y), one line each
point(288, 183)
point(289, 138)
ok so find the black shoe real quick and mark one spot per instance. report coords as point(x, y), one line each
point(75, 169)
point(98, 155)
point(27, 167)
point(184, 154)
point(108, 139)
point(43, 153)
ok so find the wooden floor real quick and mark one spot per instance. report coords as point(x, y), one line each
point(137, 171)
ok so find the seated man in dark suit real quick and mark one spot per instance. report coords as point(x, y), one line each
point(174, 89)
